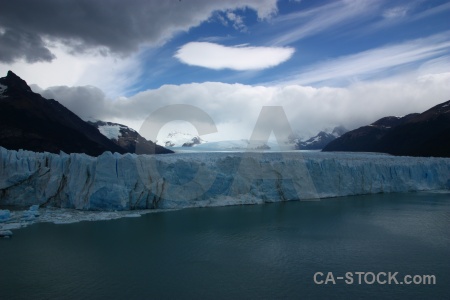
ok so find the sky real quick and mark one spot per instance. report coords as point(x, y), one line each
point(326, 63)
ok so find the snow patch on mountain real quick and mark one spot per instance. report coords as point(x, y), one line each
point(319, 141)
point(110, 131)
point(313, 140)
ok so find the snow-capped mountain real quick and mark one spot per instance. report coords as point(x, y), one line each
point(322, 139)
point(128, 138)
point(234, 145)
point(180, 139)
point(240, 146)
point(185, 141)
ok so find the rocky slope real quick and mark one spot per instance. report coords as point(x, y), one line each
point(425, 134)
point(29, 121)
point(128, 138)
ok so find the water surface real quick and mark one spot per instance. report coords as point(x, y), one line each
point(261, 251)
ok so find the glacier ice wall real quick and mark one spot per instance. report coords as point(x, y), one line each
point(125, 182)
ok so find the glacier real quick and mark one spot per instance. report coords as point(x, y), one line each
point(114, 182)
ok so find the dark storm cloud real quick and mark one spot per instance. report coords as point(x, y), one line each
point(114, 26)
point(15, 44)
point(85, 101)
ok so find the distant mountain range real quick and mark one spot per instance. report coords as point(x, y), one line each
point(425, 134)
point(180, 139)
point(320, 140)
point(29, 121)
point(176, 139)
point(241, 145)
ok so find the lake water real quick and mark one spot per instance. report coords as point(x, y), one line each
point(259, 252)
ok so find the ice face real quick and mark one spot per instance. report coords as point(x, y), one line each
point(34, 208)
point(4, 215)
point(125, 182)
point(31, 213)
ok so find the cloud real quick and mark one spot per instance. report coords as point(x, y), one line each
point(374, 62)
point(304, 23)
point(232, 18)
point(32, 47)
point(440, 9)
point(409, 13)
point(111, 27)
point(115, 76)
point(235, 107)
point(215, 56)
point(84, 101)
point(237, 21)
point(396, 12)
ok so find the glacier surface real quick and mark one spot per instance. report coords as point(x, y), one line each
point(114, 182)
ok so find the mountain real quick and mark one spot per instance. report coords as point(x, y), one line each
point(29, 121)
point(186, 141)
point(366, 138)
point(425, 134)
point(128, 138)
point(322, 139)
point(180, 139)
point(235, 145)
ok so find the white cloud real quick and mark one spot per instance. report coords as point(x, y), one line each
point(412, 12)
point(237, 21)
point(235, 107)
point(231, 17)
point(396, 12)
point(47, 74)
point(375, 61)
point(431, 11)
point(215, 56)
point(401, 15)
point(298, 25)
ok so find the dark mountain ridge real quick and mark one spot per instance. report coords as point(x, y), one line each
point(30, 122)
point(424, 134)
